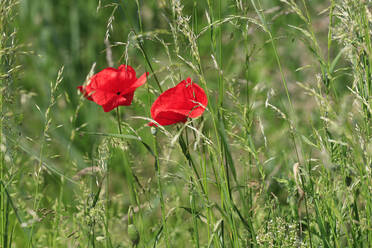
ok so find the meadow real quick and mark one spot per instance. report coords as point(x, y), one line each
point(281, 156)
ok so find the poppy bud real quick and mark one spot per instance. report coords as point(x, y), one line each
point(133, 234)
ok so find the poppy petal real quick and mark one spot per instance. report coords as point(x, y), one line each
point(187, 99)
point(112, 87)
point(169, 117)
point(128, 99)
point(140, 81)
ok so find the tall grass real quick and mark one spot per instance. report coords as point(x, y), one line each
point(8, 72)
point(282, 156)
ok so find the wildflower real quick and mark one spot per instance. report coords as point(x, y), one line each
point(112, 87)
point(187, 99)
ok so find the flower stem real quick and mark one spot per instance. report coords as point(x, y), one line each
point(162, 206)
point(149, 64)
point(118, 118)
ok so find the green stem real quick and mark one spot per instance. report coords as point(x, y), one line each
point(149, 64)
point(139, 15)
point(36, 199)
point(162, 205)
point(186, 153)
point(107, 205)
point(118, 119)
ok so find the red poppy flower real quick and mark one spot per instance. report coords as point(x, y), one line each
point(112, 87)
point(176, 104)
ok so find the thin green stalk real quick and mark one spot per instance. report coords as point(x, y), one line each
point(162, 205)
point(2, 200)
point(194, 217)
point(247, 114)
point(107, 189)
point(221, 92)
point(202, 78)
point(330, 32)
point(149, 64)
point(141, 45)
point(36, 200)
point(118, 120)
point(25, 230)
point(107, 203)
point(306, 205)
point(203, 162)
point(186, 153)
point(58, 214)
point(221, 86)
point(217, 120)
point(47, 125)
point(284, 81)
point(6, 234)
point(139, 16)
point(131, 175)
point(193, 193)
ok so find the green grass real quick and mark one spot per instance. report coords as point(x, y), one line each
point(282, 156)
